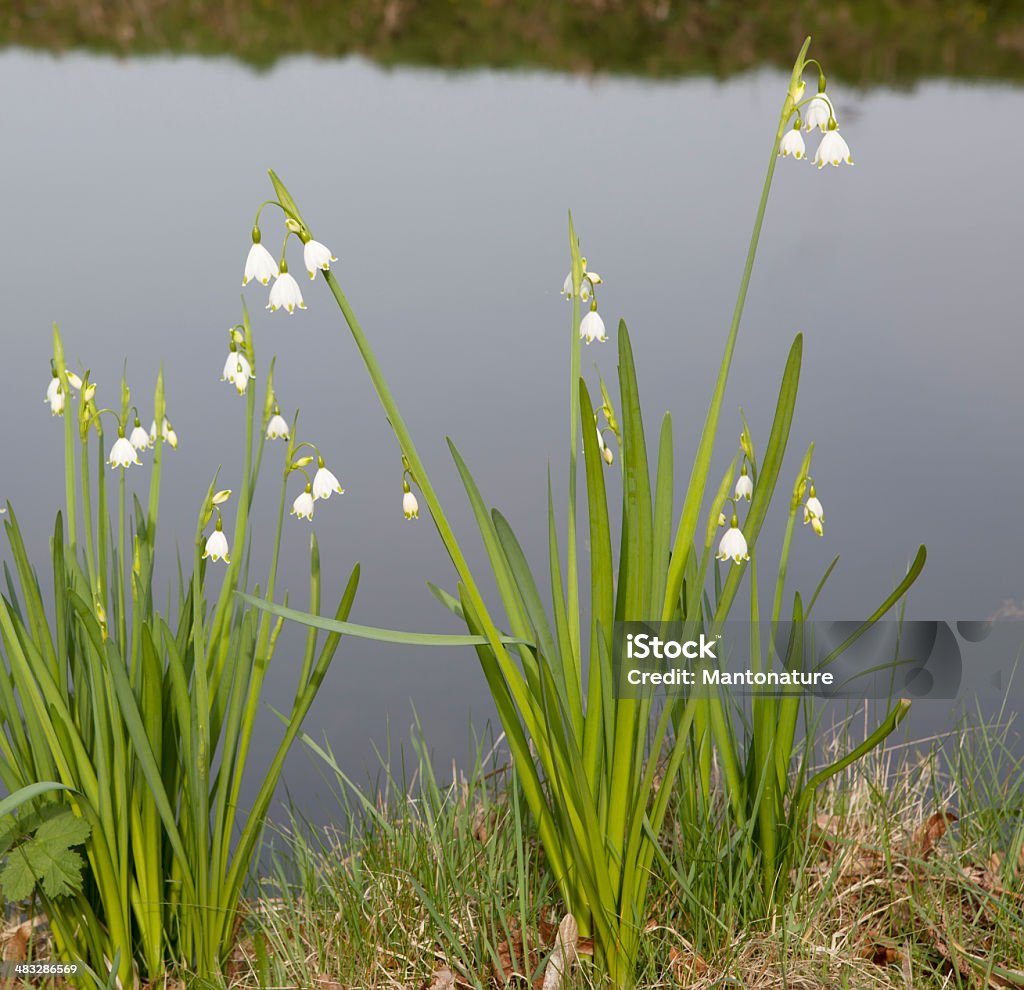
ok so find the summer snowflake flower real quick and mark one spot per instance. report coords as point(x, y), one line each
point(817, 114)
point(123, 454)
point(317, 255)
point(217, 546)
point(587, 283)
point(238, 371)
point(744, 486)
point(832, 150)
point(55, 396)
point(139, 438)
point(259, 265)
point(606, 451)
point(166, 431)
point(734, 545)
point(285, 294)
point(324, 483)
point(73, 380)
point(793, 144)
point(410, 506)
point(814, 513)
point(277, 428)
point(302, 507)
point(592, 327)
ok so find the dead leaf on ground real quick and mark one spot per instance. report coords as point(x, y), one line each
point(515, 959)
point(563, 954)
point(881, 951)
point(441, 979)
point(686, 964)
point(932, 831)
point(15, 939)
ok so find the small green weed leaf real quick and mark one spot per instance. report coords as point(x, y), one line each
point(47, 859)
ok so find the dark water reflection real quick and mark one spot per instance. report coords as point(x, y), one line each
point(130, 189)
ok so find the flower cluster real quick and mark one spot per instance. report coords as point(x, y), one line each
point(321, 486)
point(816, 112)
point(813, 511)
point(261, 266)
point(733, 545)
point(237, 368)
point(591, 326)
point(125, 450)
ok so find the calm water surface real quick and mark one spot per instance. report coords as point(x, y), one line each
point(130, 188)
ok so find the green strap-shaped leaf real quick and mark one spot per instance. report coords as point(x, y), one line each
point(375, 633)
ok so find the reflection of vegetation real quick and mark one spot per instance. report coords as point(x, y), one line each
point(866, 40)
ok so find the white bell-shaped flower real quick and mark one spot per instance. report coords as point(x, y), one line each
point(793, 144)
point(55, 396)
point(325, 483)
point(166, 431)
point(259, 265)
point(744, 485)
point(302, 507)
point(592, 327)
point(606, 452)
point(587, 283)
point(285, 293)
point(277, 428)
point(734, 544)
point(817, 114)
point(217, 545)
point(316, 255)
point(139, 438)
point(122, 453)
point(832, 150)
point(410, 505)
point(814, 512)
point(238, 371)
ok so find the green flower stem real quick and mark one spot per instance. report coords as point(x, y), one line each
point(102, 520)
point(122, 619)
point(69, 441)
point(785, 710)
point(225, 603)
point(702, 462)
point(159, 414)
point(572, 563)
point(90, 545)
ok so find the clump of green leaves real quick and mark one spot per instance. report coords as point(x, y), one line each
point(587, 758)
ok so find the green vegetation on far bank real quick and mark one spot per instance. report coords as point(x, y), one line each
point(867, 41)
